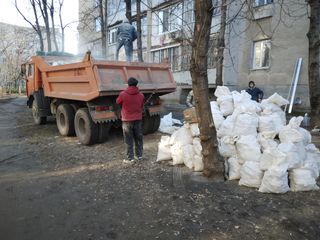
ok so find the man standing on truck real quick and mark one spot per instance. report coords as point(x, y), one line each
point(126, 34)
point(132, 101)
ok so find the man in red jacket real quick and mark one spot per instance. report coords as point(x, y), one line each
point(131, 101)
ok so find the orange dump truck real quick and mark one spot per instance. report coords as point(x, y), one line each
point(81, 93)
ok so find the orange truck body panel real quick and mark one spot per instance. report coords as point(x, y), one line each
point(89, 79)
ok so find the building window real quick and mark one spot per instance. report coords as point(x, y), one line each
point(262, 2)
point(169, 55)
point(98, 24)
point(112, 36)
point(261, 54)
point(170, 19)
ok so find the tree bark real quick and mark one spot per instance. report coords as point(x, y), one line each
point(44, 11)
point(61, 24)
point(139, 40)
point(53, 26)
point(314, 56)
point(221, 44)
point(103, 29)
point(128, 10)
point(213, 167)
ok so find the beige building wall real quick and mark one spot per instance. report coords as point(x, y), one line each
point(288, 42)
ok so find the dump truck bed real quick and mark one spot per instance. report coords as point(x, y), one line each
point(71, 78)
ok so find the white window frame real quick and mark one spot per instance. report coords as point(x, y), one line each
point(262, 52)
point(167, 52)
point(112, 36)
point(97, 24)
point(174, 20)
point(258, 3)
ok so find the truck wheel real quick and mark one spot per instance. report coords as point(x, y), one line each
point(156, 123)
point(65, 120)
point(147, 125)
point(104, 129)
point(35, 113)
point(86, 130)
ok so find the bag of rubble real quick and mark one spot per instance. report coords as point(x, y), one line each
point(275, 180)
point(291, 133)
point(266, 142)
point(246, 124)
point(250, 174)
point(302, 179)
point(216, 114)
point(312, 161)
point(167, 124)
point(234, 168)
point(295, 155)
point(277, 100)
point(178, 140)
point(227, 126)
point(243, 104)
point(272, 157)
point(224, 100)
point(198, 158)
point(227, 147)
point(248, 149)
point(164, 149)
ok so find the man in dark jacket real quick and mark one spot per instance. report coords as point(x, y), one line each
point(256, 93)
point(126, 34)
point(131, 101)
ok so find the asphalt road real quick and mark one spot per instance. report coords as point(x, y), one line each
point(51, 187)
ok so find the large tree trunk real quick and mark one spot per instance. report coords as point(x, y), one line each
point(314, 56)
point(221, 44)
point(198, 68)
point(128, 10)
point(61, 25)
point(139, 40)
point(45, 16)
point(53, 26)
point(103, 30)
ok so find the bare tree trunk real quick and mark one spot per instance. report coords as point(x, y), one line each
point(44, 11)
point(198, 68)
point(128, 10)
point(103, 29)
point(314, 56)
point(51, 8)
point(139, 40)
point(221, 44)
point(61, 24)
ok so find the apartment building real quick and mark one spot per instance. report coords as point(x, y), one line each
point(264, 47)
point(263, 40)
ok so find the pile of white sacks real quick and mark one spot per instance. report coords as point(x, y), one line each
point(261, 151)
point(182, 147)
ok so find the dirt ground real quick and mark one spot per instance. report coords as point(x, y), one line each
point(51, 187)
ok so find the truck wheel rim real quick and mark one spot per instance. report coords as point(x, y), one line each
point(82, 126)
point(62, 120)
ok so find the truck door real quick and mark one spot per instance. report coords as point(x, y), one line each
point(30, 79)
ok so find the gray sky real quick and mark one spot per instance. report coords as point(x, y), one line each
point(9, 14)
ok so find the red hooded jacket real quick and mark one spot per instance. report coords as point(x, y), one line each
point(132, 102)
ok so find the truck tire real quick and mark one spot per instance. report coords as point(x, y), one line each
point(104, 129)
point(86, 130)
point(147, 124)
point(155, 123)
point(35, 112)
point(65, 120)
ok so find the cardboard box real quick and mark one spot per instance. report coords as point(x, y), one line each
point(190, 115)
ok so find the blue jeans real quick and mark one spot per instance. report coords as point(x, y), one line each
point(132, 134)
point(128, 47)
